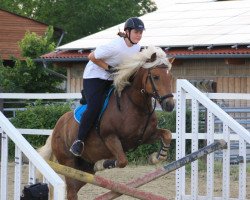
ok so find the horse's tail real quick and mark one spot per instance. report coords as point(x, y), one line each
point(46, 150)
point(46, 153)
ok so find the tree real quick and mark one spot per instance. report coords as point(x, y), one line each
point(28, 76)
point(79, 18)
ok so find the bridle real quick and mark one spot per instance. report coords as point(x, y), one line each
point(155, 93)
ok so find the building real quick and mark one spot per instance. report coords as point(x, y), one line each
point(12, 30)
point(210, 40)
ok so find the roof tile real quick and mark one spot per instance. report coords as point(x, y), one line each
point(173, 52)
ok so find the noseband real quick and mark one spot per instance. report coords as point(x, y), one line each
point(155, 93)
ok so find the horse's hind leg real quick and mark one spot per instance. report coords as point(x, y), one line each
point(73, 186)
point(162, 154)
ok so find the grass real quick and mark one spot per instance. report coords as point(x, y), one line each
point(218, 168)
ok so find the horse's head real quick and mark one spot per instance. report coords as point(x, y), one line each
point(151, 69)
point(157, 81)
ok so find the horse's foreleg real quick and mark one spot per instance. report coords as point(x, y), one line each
point(166, 137)
point(114, 145)
point(162, 154)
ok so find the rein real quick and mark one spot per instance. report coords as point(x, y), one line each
point(146, 124)
point(155, 95)
point(149, 114)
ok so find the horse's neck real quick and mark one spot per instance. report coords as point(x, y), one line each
point(140, 100)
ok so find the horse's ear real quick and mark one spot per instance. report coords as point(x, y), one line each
point(171, 60)
point(153, 58)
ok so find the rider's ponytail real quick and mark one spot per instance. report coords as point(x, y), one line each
point(121, 34)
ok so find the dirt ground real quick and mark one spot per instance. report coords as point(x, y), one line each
point(164, 186)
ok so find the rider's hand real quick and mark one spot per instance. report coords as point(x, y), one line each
point(111, 69)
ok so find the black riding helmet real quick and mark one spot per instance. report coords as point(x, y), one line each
point(134, 23)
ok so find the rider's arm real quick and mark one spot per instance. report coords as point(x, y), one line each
point(98, 62)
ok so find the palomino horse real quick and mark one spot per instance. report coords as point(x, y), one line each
point(128, 121)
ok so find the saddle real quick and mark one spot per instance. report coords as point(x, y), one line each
point(78, 112)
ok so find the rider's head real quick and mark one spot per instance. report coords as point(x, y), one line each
point(134, 28)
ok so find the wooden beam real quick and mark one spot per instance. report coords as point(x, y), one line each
point(102, 182)
point(221, 144)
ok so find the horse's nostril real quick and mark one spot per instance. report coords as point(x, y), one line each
point(167, 106)
point(170, 108)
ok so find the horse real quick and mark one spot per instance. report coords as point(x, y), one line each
point(128, 121)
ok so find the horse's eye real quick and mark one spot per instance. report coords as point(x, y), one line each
point(156, 78)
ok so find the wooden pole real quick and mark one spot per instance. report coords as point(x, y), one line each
point(221, 144)
point(102, 182)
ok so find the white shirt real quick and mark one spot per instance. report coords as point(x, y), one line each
point(112, 53)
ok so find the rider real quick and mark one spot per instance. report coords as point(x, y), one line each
point(97, 74)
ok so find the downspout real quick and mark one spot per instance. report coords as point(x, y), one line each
point(60, 40)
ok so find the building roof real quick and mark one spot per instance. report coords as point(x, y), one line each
point(185, 23)
point(66, 56)
point(184, 29)
point(183, 53)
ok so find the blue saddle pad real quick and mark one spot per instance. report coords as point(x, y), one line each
point(81, 109)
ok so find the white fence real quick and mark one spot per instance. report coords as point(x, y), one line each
point(184, 91)
point(21, 145)
point(184, 88)
point(7, 130)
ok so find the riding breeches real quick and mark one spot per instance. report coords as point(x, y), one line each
point(95, 90)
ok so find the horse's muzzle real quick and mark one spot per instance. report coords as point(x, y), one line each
point(168, 104)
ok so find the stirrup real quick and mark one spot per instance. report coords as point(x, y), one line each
point(75, 149)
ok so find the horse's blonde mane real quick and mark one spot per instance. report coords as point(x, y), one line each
point(131, 66)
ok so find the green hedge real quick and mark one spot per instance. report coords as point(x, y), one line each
point(166, 120)
point(38, 116)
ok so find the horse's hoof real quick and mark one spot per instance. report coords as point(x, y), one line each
point(163, 158)
point(99, 165)
point(154, 158)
